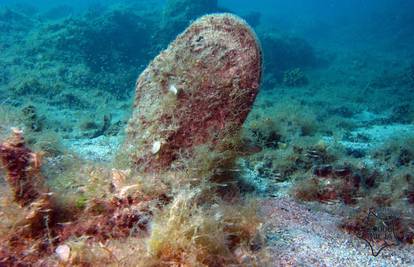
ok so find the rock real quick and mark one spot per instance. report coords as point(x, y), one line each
point(215, 67)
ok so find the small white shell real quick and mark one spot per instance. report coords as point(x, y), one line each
point(156, 146)
point(63, 252)
point(173, 89)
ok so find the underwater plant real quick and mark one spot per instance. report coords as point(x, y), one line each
point(23, 169)
point(194, 234)
point(190, 104)
point(366, 188)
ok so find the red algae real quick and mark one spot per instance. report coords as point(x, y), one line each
point(195, 95)
point(23, 169)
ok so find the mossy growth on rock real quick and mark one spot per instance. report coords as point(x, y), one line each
point(22, 167)
point(197, 92)
point(190, 105)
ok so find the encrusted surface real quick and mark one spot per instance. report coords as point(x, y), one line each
point(23, 169)
point(196, 92)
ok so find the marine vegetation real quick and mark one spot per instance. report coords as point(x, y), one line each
point(170, 211)
point(191, 164)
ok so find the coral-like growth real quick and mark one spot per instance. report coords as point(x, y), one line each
point(23, 169)
point(190, 104)
point(28, 191)
point(197, 92)
point(112, 219)
point(52, 222)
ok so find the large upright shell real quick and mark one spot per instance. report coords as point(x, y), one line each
point(196, 92)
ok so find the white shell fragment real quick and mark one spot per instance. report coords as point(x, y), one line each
point(173, 89)
point(156, 146)
point(63, 252)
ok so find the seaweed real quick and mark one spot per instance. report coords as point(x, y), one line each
point(192, 234)
point(23, 169)
point(185, 203)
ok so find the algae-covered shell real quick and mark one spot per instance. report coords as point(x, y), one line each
point(216, 64)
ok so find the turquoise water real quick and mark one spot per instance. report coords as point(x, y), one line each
point(332, 125)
